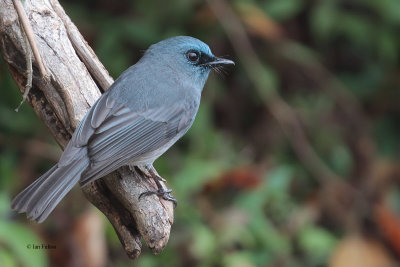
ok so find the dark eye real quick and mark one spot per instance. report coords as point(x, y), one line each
point(193, 56)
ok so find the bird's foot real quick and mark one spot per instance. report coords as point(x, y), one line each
point(150, 172)
point(161, 192)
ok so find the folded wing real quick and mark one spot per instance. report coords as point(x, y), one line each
point(115, 135)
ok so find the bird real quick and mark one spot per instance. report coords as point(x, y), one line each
point(149, 107)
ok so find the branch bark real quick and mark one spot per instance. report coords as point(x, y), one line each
point(61, 103)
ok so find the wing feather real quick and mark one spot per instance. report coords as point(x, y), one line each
point(115, 135)
point(93, 119)
point(129, 136)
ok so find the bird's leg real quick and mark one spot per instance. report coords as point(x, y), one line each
point(150, 172)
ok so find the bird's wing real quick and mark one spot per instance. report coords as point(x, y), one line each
point(100, 110)
point(116, 135)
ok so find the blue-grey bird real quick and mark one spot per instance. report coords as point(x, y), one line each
point(146, 110)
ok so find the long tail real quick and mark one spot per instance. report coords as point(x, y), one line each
point(40, 198)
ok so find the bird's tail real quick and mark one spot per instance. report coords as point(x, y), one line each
point(43, 195)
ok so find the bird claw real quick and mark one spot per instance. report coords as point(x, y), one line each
point(165, 194)
point(150, 172)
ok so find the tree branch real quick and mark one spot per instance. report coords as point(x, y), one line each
point(62, 102)
point(29, 34)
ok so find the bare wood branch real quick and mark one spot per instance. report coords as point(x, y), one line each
point(85, 52)
point(63, 101)
point(29, 33)
point(29, 71)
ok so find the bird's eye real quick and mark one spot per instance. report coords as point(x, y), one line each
point(193, 56)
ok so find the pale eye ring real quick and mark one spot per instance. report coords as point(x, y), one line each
point(193, 56)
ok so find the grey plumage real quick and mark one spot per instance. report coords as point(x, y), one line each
point(147, 109)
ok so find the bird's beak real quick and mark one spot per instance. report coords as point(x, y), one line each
point(217, 61)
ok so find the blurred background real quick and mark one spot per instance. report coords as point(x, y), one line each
point(293, 159)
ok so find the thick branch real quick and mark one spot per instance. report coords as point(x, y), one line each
point(63, 101)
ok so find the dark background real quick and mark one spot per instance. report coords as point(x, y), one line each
point(292, 159)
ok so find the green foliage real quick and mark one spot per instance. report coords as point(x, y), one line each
point(282, 10)
point(317, 244)
point(16, 242)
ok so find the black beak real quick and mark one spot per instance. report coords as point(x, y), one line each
point(217, 61)
point(212, 61)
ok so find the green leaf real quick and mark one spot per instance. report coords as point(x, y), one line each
point(19, 240)
point(341, 159)
point(317, 243)
point(4, 205)
point(6, 259)
point(281, 10)
point(238, 259)
point(204, 242)
point(323, 19)
point(195, 174)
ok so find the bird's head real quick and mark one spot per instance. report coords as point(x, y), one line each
point(187, 57)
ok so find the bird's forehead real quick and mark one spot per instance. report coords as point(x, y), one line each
point(197, 45)
point(183, 44)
